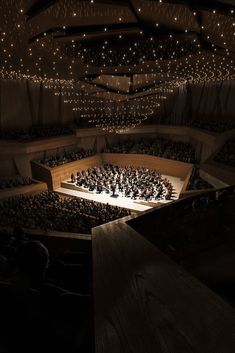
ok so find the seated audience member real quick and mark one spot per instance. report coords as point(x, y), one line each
point(213, 126)
point(34, 133)
point(18, 237)
point(196, 182)
point(160, 147)
point(20, 304)
point(13, 182)
point(66, 157)
point(227, 154)
point(36, 316)
point(49, 211)
point(32, 259)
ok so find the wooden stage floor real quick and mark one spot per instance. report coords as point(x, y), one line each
point(135, 205)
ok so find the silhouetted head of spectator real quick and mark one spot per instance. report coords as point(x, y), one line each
point(32, 259)
point(200, 207)
point(18, 237)
point(18, 233)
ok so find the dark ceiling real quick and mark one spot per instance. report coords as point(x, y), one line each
point(117, 51)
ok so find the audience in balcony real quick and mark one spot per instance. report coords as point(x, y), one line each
point(227, 154)
point(49, 211)
point(213, 126)
point(66, 157)
point(34, 133)
point(13, 182)
point(159, 147)
point(196, 182)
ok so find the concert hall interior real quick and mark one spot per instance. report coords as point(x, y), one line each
point(117, 176)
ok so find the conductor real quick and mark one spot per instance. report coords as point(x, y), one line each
point(113, 189)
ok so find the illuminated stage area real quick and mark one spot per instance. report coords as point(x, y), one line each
point(70, 189)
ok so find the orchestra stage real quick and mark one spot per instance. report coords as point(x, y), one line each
point(70, 189)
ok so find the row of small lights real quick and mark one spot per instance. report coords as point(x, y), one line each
point(21, 11)
point(207, 74)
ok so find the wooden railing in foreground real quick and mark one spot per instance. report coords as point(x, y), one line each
point(145, 303)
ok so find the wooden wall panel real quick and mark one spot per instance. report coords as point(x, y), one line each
point(64, 172)
point(186, 180)
point(8, 167)
point(50, 143)
point(164, 166)
point(54, 176)
point(205, 143)
point(219, 171)
point(28, 189)
point(15, 148)
point(211, 179)
point(42, 173)
point(180, 131)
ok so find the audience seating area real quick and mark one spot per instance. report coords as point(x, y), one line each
point(34, 133)
point(191, 227)
point(45, 296)
point(66, 157)
point(201, 218)
point(213, 126)
point(196, 182)
point(13, 182)
point(160, 147)
point(227, 154)
point(49, 211)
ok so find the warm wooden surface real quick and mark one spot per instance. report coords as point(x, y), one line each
point(222, 172)
point(57, 234)
point(145, 303)
point(163, 165)
point(27, 189)
point(205, 138)
point(54, 176)
point(43, 173)
point(196, 134)
point(64, 172)
point(125, 202)
point(186, 180)
point(213, 180)
point(201, 136)
point(190, 193)
point(14, 148)
point(87, 132)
